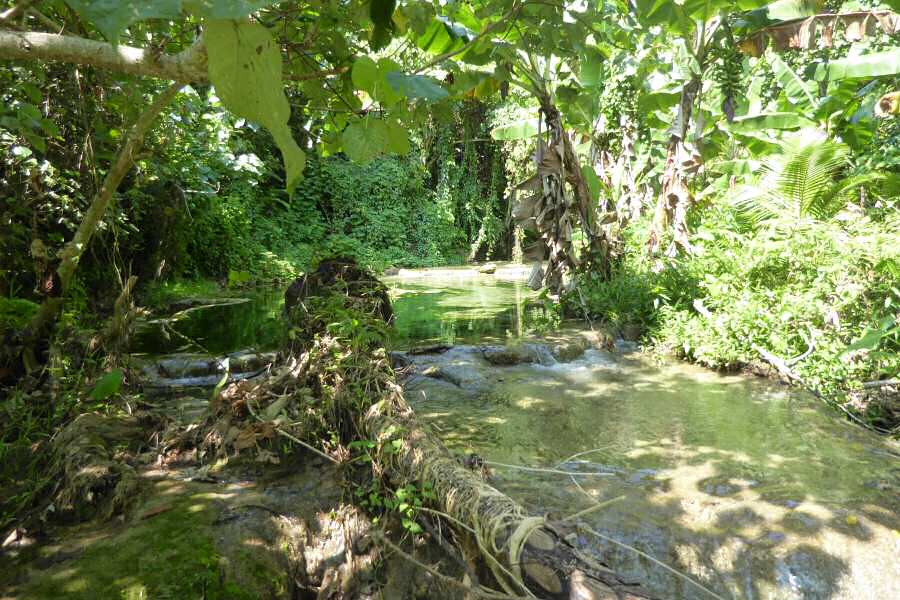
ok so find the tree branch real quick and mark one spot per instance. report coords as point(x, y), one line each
point(186, 66)
point(43, 321)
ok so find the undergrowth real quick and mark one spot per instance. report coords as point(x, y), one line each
point(830, 285)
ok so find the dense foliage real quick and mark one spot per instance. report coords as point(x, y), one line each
point(722, 175)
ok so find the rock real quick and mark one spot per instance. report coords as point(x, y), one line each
point(518, 354)
point(570, 349)
point(632, 332)
point(390, 271)
point(488, 269)
point(339, 274)
point(505, 355)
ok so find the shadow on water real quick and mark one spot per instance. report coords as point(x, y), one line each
point(255, 321)
point(751, 488)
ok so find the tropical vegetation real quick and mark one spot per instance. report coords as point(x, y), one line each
point(718, 179)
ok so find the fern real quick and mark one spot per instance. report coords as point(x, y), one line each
point(804, 182)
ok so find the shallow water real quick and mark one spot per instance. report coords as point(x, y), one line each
point(753, 489)
point(216, 327)
point(462, 306)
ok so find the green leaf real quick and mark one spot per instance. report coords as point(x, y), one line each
point(112, 17)
point(365, 139)
point(364, 74)
point(798, 91)
point(398, 138)
point(518, 130)
point(245, 68)
point(879, 64)
point(108, 385)
point(417, 86)
point(773, 120)
point(372, 77)
point(872, 337)
point(658, 101)
point(225, 9)
point(381, 12)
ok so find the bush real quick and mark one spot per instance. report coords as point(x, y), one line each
point(825, 283)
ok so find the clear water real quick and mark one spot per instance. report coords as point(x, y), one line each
point(751, 488)
point(461, 306)
point(255, 321)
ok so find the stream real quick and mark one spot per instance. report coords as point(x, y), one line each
point(750, 488)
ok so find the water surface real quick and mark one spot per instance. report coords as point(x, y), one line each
point(754, 489)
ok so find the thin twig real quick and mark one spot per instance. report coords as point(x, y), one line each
point(594, 508)
point(293, 438)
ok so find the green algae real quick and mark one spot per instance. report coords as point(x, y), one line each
point(166, 555)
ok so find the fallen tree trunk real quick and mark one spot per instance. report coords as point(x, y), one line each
point(525, 553)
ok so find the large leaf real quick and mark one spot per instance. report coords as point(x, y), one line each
point(772, 120)
point(798, 91)
point(518, 130)
point(112, 17)
point(108, 385)
point(370, 137)
point(879, 64)
point(372, 78)
point(417, 86)
point(444, 35)
point(872, 337)
point(381, 12)
point(245, 67)
point(658, 101)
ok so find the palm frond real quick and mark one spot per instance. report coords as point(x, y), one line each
point(832, 200)
point(808, 174)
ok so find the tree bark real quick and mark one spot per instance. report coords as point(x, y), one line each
point(42, 324)
point(186, 66)
point(526, 554)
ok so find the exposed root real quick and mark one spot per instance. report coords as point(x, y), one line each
point(340, 388)
point(90, 469)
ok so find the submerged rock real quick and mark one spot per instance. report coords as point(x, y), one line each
point(518, 354)
point(488, 269)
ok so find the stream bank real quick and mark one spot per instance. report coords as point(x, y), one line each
point(752, 489)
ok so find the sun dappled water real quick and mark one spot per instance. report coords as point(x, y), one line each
point(754, 489)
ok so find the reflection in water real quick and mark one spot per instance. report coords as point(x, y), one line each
point(217, 329)
point(461, 307)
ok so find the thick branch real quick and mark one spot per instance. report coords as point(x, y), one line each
point(71, 253)
point(186, 66)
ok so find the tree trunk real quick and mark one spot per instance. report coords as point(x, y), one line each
point(675, 198)
point(42, 323)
